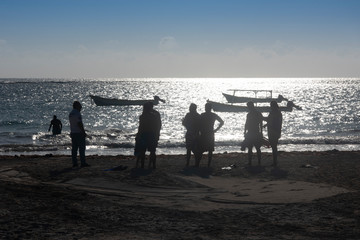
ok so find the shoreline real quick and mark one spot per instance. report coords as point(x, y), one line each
point(312, 195)
point(103, 151)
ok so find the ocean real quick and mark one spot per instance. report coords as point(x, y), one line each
point(329, 118)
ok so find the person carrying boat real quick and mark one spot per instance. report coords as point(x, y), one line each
point(274, 125)
point(207, 133)
point(191, 123)
point(148, 135)
point(253, 132)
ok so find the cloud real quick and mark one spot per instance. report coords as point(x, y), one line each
point(277, 49)
point(246, 62)
point(82, 49)
point(168, 44)
point(282, 49)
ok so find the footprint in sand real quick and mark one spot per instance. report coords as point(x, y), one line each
point(296, 190)
point(239, 194)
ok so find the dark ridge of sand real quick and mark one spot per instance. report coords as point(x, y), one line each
point(312, 195)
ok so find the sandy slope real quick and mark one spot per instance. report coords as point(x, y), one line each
point(313, 195)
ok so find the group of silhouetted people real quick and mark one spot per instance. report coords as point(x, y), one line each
point(199, 138)
point(253, 131)
point(77, 134)
point(200, 132)
point(200, 135)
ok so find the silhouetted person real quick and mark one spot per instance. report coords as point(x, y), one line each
point(274, 125)
point(56, 126)
point(253, 132)
point(191, 123)
point(207, 132)
point(77, 133)
point(148, 135)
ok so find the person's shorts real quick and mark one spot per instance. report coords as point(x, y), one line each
point(145, 141)
point(207, 142)
point(191, 141)
point(253, 141)
point(274, 139)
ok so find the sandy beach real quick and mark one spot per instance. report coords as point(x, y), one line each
point(312, 195)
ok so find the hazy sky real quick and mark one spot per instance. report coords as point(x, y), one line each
point(179, 38)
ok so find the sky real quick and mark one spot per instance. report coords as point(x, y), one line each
point(179, 38)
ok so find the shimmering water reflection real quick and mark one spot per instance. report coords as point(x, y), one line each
point(330, 115)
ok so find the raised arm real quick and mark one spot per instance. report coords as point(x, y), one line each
point(221, 123)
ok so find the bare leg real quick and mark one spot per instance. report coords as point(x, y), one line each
point(198, 159)
point(142, 158)
point(250, 155)
point(153, 160)
point(210, 158)
point(188, 156)
point(137, 161)
point(275, 152)
point(273, 143)
point(258, 153)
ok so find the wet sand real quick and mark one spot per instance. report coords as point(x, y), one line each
point(312, 195)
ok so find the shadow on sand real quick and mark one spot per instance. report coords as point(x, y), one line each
point(140, 172)
point(56, 173)
point(275, 172)
point(279, 173)
point(197, 171)
point(255, 169)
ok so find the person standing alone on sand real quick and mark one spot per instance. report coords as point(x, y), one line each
point(191, 123)
point(77, 133)
point(148, 134)
point(207, 132)
point(274, 125)
point(253, 132)
point(56, 126)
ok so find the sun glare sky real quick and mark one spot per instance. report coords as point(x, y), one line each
point(179, 38)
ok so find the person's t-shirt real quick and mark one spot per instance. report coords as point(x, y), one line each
point(75, 119)
point(253, 122)
point(192, 122)
point(207, 121)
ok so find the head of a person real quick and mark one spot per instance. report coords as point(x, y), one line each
point(77, 105)
point(208, 107)
point(250, 106)
point(147, 107)
point(54, 117)
point(151, 105)
point(274, 106)
point(193, 107)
